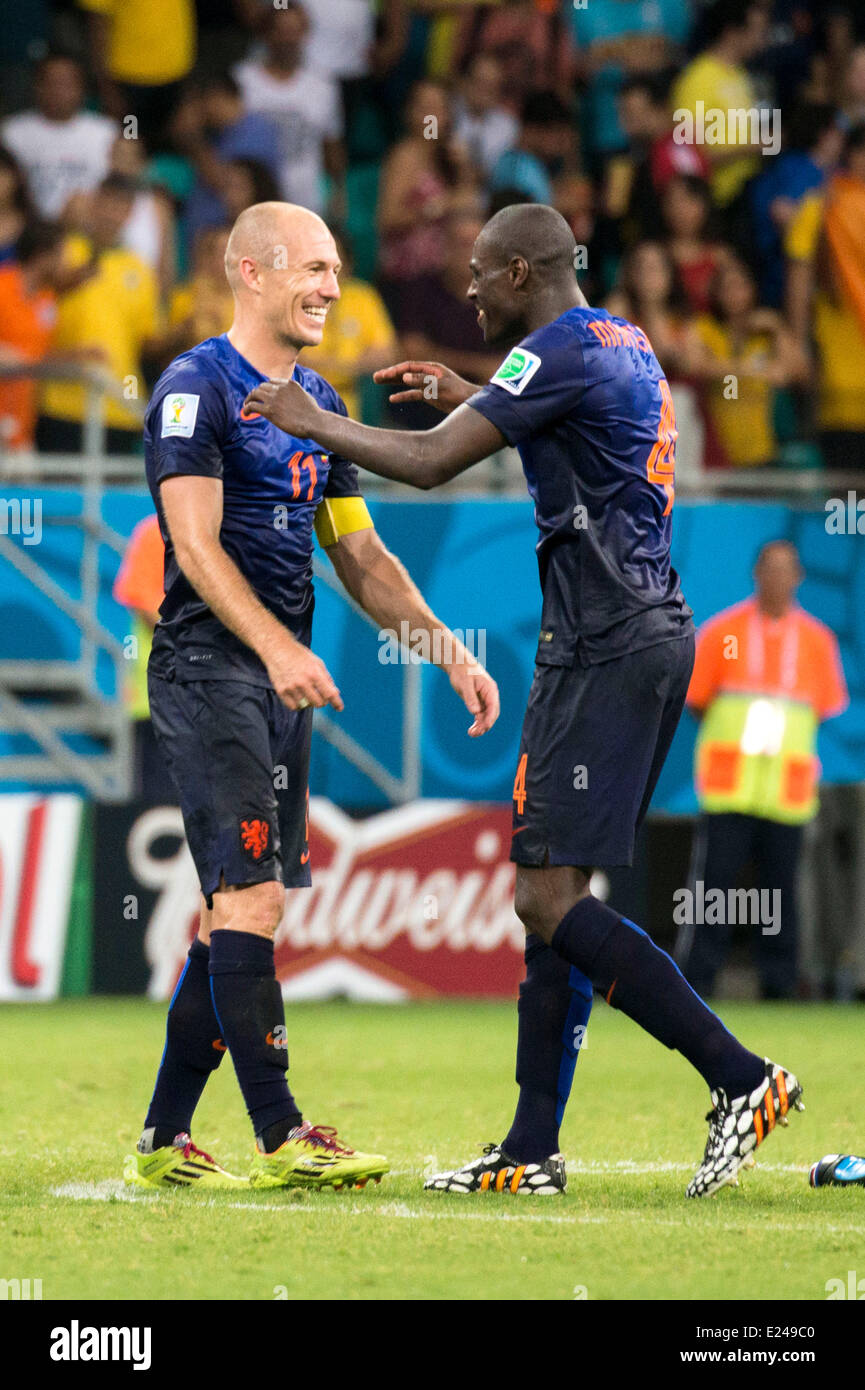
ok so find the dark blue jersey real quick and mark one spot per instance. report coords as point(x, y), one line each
point(272, 487)
point(587, 405)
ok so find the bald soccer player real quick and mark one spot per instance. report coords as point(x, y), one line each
point(233, 684)
point(583, 398)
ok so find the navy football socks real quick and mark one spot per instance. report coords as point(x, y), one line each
point(193, 1049)
point(634, 975)
point(248, 1004)
point(555, 1003)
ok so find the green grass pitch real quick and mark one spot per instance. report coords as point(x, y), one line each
point(426, 1084)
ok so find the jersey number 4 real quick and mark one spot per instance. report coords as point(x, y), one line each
point(661, 463)
point(520, 785)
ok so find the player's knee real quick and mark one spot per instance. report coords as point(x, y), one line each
point(542, 898)
point(266, 907)
point(256, 907)
point(530, 907)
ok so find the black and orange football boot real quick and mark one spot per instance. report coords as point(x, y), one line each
point(737, 1127)
point(494, 1171)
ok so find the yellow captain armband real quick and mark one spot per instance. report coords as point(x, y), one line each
point(339, 516)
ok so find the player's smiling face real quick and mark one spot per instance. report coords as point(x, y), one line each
point(300, 293)
point(492, 294)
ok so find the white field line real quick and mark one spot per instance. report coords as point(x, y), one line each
point(335, 1205)
point(626, 1165)
point(109, 1190)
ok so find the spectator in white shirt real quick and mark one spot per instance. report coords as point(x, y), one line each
point(62, 148)
point(485, 127)
point(355, 38)
point(303, 104)
point(341, 36)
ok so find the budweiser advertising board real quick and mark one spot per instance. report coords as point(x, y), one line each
point(411, 903)
point(416, 901)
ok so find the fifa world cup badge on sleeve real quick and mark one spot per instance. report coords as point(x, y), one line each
point(179, 413)
point(516, 371)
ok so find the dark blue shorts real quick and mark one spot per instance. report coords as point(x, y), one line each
point(240, 762)
point(593, 744)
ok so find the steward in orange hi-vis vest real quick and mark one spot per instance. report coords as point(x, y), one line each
point(766, 674)
point(763, 685)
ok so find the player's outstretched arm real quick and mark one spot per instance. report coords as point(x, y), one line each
point(193, 512)
point(382, 586)
point(423, 458)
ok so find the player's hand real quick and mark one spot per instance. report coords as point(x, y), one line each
point(427, 381)
point(299, 677)
point(286, 405)
point(478, 692)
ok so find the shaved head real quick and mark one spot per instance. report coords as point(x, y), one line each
point(523, 271)
point(265, 230)
point(536, 233)
point(283, 267)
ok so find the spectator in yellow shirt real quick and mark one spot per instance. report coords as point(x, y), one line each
point(742, 352)
point(822, 309)
point(110, 320)
point(717, 80)
point(358, 337)
point(141, 51)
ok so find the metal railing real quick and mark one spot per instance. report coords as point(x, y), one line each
point(49, 700)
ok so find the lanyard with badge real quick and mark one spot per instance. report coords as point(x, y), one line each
point(767, 717)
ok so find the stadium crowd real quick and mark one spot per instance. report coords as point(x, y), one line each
point(710, 159)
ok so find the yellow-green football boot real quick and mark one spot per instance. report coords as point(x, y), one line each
point(312, 1156)
point(181, 1164)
